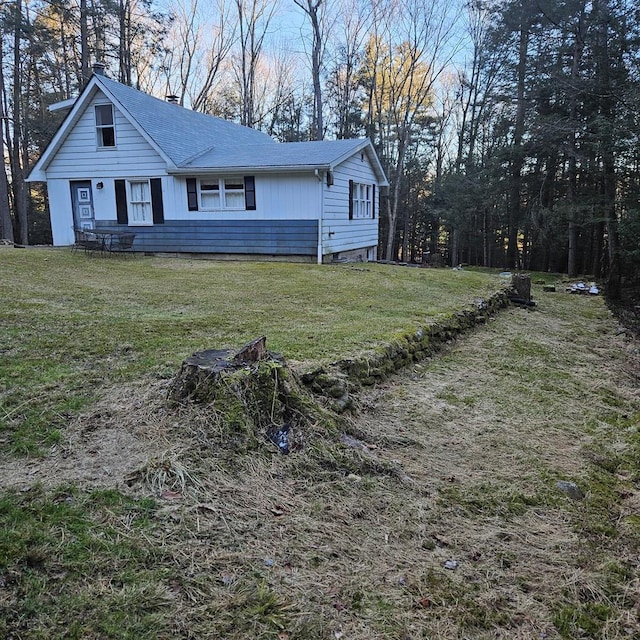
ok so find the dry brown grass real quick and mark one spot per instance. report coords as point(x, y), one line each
point(334, 542)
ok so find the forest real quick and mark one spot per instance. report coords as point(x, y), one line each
point(508, 129)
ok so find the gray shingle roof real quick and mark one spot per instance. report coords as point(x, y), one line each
point(288, 154)
point(195, 140)
point(180, 133)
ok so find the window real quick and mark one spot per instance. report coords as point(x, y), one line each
point(361, 200)
point(139, 202)
point(105, 128)
point(140, 211)
point(219, 194)
point(210, 194)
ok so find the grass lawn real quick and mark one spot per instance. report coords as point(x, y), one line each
point(71, 323)
point(436, 515)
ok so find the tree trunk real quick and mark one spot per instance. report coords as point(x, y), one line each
point(313, 8)
point(394, 199)
point(84, 44)
point(517, 153)
point(253, 397)
point(17, 175)
point(521, 283)
point(572, 177)
point(486, 236)
point(455, 247)
point(6, 224)
point(124, 45)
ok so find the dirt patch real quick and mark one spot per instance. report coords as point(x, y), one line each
point(101, 447)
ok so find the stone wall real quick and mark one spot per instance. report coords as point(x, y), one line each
point(337, 382)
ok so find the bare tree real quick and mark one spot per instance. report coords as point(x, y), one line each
point(280, 83)
point(476, 82)
point(254, 19)
point(15, 141)
point(84, 42)
point(199, 43)
point(315, 11)
point(347, 41)
point(125, 41)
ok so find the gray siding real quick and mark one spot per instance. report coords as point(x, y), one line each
point(264, 237)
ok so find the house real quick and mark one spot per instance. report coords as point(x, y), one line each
point(186, 182)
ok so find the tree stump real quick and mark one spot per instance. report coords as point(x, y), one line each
point(521, 284)
point(254, 395)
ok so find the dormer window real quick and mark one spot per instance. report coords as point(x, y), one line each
point(105, 128)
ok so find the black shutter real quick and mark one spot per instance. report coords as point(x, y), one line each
point(192, 194)
point(156, 201)
point(350, 199)
point(121, 202)
point(250, 193)
point(373, 202)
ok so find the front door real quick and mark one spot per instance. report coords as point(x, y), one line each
point(82, 202)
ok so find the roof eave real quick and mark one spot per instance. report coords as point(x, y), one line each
point(36, 175)
point(60, 135)
point(297, 168)
point(63, 105)
point(366, 145)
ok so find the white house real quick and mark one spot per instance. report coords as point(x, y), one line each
point(187, 182)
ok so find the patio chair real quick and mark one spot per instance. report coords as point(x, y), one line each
point(87, 240)
point(122, 242)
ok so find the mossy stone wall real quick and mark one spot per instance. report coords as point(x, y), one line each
point(336, 381)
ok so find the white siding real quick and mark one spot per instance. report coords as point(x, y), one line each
point(80, 158)
point(104, 201)
point(338, 232)
point(60, 203)
point(278, 197)
point(289, 196)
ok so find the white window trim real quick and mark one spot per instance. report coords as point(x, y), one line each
point(131, 202)
point(221, 192)
point(100, 127)
point(362, 201)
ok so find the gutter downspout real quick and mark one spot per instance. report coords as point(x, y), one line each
point(320, 216)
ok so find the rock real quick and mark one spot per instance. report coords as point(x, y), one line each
point(355, 443)
point(451, 565)
point(571, 489)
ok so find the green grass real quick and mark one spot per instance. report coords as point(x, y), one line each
point(71, 323)
point(208, 541)
point(80, 566)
